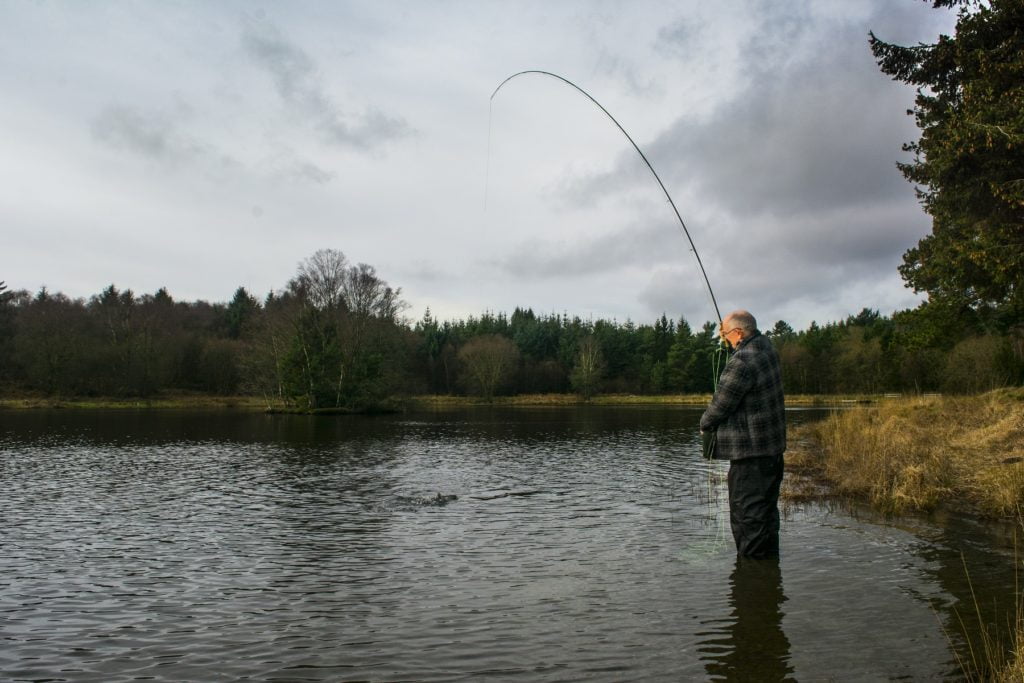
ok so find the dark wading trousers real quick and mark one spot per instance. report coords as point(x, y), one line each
point(754, 505)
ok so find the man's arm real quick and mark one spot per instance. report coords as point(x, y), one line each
point(735, 382)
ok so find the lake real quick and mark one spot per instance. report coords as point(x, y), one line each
point(548, 544)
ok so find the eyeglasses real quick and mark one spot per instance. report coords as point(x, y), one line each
point(725, 332)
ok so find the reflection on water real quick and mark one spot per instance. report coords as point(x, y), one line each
point(549, 544)
point(753, 639)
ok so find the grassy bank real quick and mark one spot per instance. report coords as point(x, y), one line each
point(448, 401)
point(919, 454)
point(176, 402)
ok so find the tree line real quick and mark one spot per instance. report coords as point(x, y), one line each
point(334, 337)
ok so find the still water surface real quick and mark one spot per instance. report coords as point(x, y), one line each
point(531, 545)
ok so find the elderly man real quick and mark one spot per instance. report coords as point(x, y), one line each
point(748, 414)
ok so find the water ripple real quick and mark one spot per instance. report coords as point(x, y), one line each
point(547, 545)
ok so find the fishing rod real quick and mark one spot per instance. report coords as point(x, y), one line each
point(686, 232)
point(721, 351)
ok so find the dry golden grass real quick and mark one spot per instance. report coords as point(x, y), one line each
point(532, 400)
point(561, 400)
point(1014, 668)
point(922, 453)
point(1014, 671)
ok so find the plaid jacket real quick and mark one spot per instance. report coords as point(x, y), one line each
point(748, 408)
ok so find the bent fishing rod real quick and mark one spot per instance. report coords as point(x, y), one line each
point(686, 232)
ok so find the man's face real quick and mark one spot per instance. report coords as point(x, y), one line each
point(729, 334)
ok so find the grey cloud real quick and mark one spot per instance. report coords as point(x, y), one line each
point(620, 69)
point(291, 68)
point(363, 132)
point(130, 129)
point(296, 80)
point(632, 245)
point(782, 37)
point(424, 271)
point(820, 139)
point(766, 287)
point(788, 276)
point(861, 236)
point(308, 171)
point(678, 292)
point(817, 260)
point(679, 39)
point(848, 236)
point(159, 137)
point(818, 128)
point(154, 135)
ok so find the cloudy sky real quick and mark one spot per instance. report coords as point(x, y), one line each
point(202, 146)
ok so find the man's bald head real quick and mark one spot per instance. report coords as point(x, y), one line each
point(741, 320)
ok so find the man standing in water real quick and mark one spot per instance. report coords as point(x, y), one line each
point(748, 412)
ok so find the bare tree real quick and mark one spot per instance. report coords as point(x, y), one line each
point(369, 296)
point(586, 375)
point(488, 361)
point(322, 278)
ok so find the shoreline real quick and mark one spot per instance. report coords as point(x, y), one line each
point(421, 402)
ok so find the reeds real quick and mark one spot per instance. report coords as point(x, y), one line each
point(987, 656)
point(962, 453)
point(1013, 669)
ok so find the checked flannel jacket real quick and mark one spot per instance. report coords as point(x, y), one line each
point(748, 408)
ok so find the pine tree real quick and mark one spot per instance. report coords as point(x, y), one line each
point(969, 161)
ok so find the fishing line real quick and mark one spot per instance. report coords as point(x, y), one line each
point(715, 478)
point(686, 232)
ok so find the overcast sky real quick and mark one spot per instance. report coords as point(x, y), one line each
point(201, 146)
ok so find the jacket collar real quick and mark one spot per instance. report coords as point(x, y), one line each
point(747, 340)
